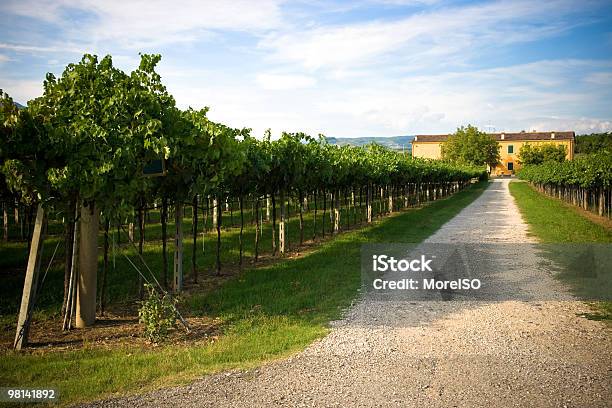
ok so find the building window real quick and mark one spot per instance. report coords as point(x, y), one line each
point(510, 166)
point(510, 149)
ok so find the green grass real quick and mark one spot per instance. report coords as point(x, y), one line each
point(267, 313)
point(552, 221)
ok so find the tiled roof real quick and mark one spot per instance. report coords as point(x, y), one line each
point(506, 136)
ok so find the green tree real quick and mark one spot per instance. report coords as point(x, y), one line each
point(470, 146)
point(536, 154)
point(593, 143)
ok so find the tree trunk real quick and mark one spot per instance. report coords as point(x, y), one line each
point(274, 248)
point(194, 231)
point(218, 225)
point(268, 203)
point(177, 283)
point(332, 212)
point(254, 214)
point(257, 228)
point(230, 204)
point(88, 267)
point(369, 204)
point(205, 221)
point(19, 221)
point(141, 238)
point(347, 210)
point(164, 233)
point(282, 224)
point(104, 268)
point(324, 210)
point(240, 237)
point(301, 219)
point(360, 204)
point(5, 233)
point(314, 219)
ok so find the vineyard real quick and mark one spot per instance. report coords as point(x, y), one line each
point(585, 182)
point(110, 151)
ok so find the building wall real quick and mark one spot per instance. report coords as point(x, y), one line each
point(429, 150)
point(506, 158)
point(432, 150)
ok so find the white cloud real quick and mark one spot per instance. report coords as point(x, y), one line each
point(4, 58)
point(600, 78)
point(285, 81)
point(421, 38)
point(580, 125)
point(140, 23)
point(40, 49)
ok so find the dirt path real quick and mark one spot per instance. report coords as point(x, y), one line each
point(434, 353)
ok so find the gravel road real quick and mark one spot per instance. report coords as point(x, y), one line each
point(502, 353)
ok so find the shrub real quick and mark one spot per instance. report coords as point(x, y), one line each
point(158, 314)
point(538, 154)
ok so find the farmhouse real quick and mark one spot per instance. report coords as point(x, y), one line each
point(429, 146)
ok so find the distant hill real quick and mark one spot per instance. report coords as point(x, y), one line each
point(18, 105)
point(393, 142)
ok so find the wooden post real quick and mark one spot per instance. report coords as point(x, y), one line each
point(131, 232)
point(336, 211)
point(215, 210)
point(88, 267)
point(31, 280)
point(177, 285)
point(69, 311)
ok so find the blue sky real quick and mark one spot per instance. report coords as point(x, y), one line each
point(342, 68)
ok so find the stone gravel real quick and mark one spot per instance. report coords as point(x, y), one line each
point(505, 353)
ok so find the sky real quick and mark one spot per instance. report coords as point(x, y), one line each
point(341, 68)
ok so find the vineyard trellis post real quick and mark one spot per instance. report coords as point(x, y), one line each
point(31, 280)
